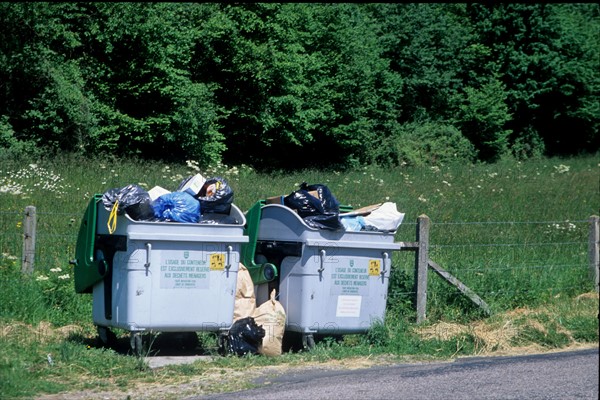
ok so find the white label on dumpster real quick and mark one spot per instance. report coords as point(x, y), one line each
point(348, 306)
point(183, 269)
point(350, 278)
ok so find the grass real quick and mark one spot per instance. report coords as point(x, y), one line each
point(515, 233)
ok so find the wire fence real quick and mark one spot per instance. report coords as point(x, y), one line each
point(55, 238)
point(507, 263)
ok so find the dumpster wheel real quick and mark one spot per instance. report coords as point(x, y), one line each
point(136, 343)
point(106, 336)
point(308, 341)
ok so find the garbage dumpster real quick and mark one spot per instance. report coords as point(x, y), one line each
point(330, 282)
point(158, 276)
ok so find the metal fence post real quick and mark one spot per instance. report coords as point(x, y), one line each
point(29, 227)
point(594, 249)
point(421, 261)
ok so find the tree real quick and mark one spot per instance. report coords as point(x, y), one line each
point(548, 58)
point(298, 78)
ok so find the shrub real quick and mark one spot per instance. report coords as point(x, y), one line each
point(428, 143)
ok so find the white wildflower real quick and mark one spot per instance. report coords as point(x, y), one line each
point(9, 257)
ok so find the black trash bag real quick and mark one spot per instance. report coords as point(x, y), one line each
point(330, 221)
point(322, 212)
point(328, 200)
point(177, 206)
point(244, 337)
point(132, 200)
point(304, 203)
point(216, 196)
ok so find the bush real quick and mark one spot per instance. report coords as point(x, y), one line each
point(428, 143)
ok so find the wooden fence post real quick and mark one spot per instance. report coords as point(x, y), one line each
point(29, 227)
point(421, 265)
point(594, 249)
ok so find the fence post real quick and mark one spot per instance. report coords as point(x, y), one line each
point(421, 265)
point(29, 225)
point(594, 249)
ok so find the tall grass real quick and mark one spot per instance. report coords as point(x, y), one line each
point(515, 233)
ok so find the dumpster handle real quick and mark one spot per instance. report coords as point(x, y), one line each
point(386, 257)
point(322, 253)
point(148, 251)
point(228, 265)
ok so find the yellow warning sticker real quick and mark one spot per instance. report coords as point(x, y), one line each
point(217, 262)
point(374, 267)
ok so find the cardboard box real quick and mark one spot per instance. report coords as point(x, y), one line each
point(192, 185)
point(274, 200)
point(156, 192)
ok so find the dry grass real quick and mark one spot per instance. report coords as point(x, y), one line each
point(43, 333)
point(497, 336)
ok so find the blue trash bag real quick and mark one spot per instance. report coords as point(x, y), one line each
point(353, 224)
point(177, 206)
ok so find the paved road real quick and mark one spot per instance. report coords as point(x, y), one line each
point(564, 375)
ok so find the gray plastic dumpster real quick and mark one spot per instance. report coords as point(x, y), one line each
point(331, 282)
point(158, 276)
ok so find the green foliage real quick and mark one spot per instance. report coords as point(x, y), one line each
point(483, 114)
point(299, 78)
point(429, 143)
point(333, 84)
point(21, 298)
point(547, 55)
point(7, 134)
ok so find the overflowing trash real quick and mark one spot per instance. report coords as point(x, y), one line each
point(319, 208)
point(208, 201)
point(254, 329)
point(196, 200)
point(250, 322)
point(330, 264)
